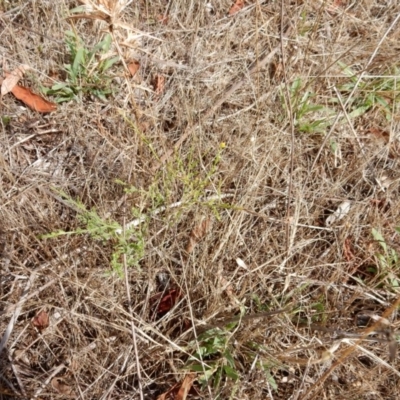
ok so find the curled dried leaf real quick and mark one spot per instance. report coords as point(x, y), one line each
point(41, 320)
point(12, 78)
point(133, 67)
point(239, 4)
point(179, 391)
point(339, 214)
point(186, 386)
point(348, 250)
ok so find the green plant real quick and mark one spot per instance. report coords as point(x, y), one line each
point(87, 71)
point(372, 92)
point(309, 117)
point(216, 351)
point(319, 314)
point(131, 243)
point(188, 176)
point(5, 119)
point(388, 260)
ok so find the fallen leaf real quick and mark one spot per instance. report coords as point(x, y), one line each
point(339, 214)
point(179, 391)
point(197, 234)
point(32, 100)
point(169, 394)
point(134, 67)
point(163, 302)
point(41, 320)
point(61, 387)
point(12, 78)
point(158, 84)
point(186, 386)
point(239, 4)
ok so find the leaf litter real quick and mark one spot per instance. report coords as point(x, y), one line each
point(30, 99)
point(12, 78)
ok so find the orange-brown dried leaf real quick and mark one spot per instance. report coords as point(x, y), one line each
point(133, 67)
point(179, 391)
point(41, 320)
point(239, 4)
point(32, 100)
point(191, 245)
point(12, 78)
point(186, 386)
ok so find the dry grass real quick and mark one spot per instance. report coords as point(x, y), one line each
point(273, 179)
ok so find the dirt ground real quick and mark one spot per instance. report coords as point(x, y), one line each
point(211, 210)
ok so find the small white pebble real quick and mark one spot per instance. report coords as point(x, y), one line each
point(56, 315)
